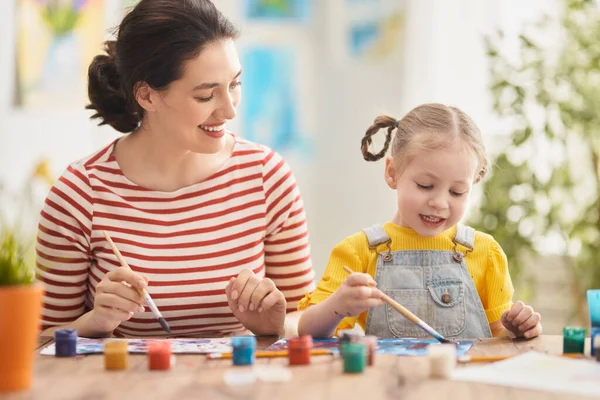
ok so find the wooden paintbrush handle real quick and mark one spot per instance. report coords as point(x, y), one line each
point(401, 309)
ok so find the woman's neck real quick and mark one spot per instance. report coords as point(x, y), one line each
point(155, 162)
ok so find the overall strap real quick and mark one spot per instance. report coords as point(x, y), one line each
point(376, 235)
point(465, 236)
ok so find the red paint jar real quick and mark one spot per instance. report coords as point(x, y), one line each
point(299, 350)
point(371, 348)
point(159, 355)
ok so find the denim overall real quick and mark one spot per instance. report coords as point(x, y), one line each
point(434, 284)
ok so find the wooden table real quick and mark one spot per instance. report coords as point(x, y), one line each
point(195, 377)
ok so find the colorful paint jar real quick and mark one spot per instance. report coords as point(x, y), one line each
point(299, 350)
point(160, 355)
point(354, 358)
point(65, 342)
point(573, 339)
point(595, 338)
point(370, 342)
point(244, 348)
point(115, 354)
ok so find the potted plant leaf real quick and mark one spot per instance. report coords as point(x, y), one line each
point(20, 307)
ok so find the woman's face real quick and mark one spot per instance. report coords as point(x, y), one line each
point(194, 109)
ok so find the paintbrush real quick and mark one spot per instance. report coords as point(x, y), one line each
point(143, 292)
point(410, 316)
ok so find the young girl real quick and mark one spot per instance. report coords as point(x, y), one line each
point(212, 225)
point(453, 278)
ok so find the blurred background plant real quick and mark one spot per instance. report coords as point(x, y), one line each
point(18, 224)
point(543, 195)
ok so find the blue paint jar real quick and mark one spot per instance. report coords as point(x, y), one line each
point(243, 350)
point(595, 338)
point(65, 342)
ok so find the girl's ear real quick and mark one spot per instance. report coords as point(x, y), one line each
point(390, 172)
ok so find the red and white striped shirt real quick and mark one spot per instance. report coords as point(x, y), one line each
point(189, 242)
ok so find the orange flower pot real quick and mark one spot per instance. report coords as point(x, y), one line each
point(20, 307)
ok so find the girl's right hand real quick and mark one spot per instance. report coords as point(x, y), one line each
point(356, 295)
point(117, 299)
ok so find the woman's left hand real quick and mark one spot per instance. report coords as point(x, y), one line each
point(257, 303)
point(522, 321)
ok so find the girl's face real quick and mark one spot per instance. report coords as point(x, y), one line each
point(194, 110)
point(433, 189)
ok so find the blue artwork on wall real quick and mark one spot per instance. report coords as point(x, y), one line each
point(283, 10)
point(270, 105)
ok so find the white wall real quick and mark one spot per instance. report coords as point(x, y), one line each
point(443, 61)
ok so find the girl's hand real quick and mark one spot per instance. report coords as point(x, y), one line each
point(117, 299)
point(522, 321)
point(355, 295)
point(257, 303)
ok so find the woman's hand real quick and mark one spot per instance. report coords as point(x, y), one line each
point(257, 303)
point(117, 299)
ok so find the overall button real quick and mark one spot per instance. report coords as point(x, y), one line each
point(446, 297)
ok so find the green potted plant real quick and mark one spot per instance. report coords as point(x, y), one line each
point(20, 307)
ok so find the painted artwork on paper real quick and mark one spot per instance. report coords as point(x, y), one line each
point(56, 41)
point(278, 10)
point(178, 346)
point(270, 110)
point(394, 346)
point(373, 28)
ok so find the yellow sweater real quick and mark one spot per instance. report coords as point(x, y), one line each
point(487, 266)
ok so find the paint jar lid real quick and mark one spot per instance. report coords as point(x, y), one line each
point(301, 342)
point(354, 348)
point(441, 350)
point(243, 341)
point(65, 334)
point(574, 332)
point(156, 347)
point(370, 340)
point(115, 346)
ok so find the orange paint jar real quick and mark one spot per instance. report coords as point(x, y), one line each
point(299, 350)
point(159, 355)
point(115, 354)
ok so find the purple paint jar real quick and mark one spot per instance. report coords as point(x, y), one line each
point(65, 342)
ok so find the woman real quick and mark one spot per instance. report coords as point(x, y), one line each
point(211, 224)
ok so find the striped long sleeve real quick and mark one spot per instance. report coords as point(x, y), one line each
point(189, 242)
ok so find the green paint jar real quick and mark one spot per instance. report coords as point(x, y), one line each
point(354, 357)
point(573, 339)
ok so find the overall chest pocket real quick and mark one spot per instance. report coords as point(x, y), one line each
point(441, 305)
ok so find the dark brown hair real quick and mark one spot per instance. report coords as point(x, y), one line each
point(154, 40)
point(426, 127)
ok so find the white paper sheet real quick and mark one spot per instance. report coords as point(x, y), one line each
point(538, 371)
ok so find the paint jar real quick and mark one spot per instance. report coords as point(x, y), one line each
point(370, 342)
point(573, 339)
point(243, 350)
point(299, 350)
point(347, 336)
point(115, 354)
point(442, 359)
point(593, 297)
point(595, 338)
point(354, 357)
point(160, 356)
point(65, 342)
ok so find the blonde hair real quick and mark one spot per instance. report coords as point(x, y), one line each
point(426, 127)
